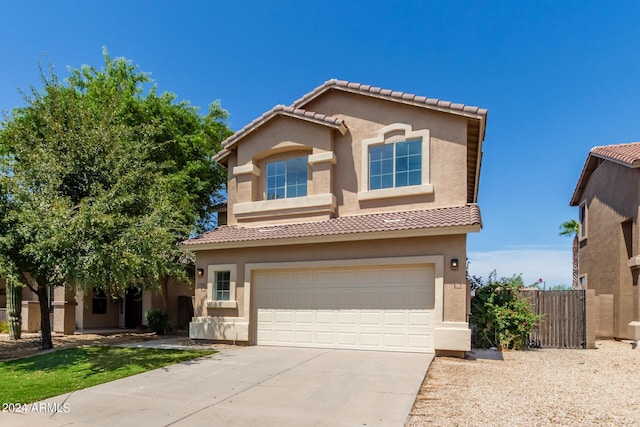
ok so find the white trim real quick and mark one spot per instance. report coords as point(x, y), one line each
point(246, 169)
point(319, 203)
point(424, 188)
point(439, 231)
point(211, 271)
point(326, 157)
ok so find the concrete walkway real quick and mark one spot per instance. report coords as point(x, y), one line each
point(252, 386)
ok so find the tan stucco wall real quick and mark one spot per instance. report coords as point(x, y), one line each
point(612, 196)
point(456, 291)
point(364, 117)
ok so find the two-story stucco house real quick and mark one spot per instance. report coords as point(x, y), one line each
point(347, 220)
point(608, 198)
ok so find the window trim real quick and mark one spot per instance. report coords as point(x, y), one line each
point(582, 281)
point(286, 162)
point(103, 298)
point(211, 302)
point(408, 134)
point(583, 221)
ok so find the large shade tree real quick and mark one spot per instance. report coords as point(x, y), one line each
point(101, 181)
point(571, 228)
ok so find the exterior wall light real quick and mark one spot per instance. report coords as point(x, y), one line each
point(200, 272)
point(454, 263)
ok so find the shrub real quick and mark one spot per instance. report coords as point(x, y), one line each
point(158, 321)
point(500, 315)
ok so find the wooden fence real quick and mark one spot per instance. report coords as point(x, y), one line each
point(563, 323)
point(3, 314)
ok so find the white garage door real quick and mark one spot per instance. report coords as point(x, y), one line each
point(374, 309)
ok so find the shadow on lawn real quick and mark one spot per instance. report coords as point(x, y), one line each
point(100, 359)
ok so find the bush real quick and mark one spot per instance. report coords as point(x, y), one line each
point(158, 321)
point(500, 315)
point(4, 328)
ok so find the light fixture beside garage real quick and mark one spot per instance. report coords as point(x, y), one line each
point(200, 272)
point(454, 263)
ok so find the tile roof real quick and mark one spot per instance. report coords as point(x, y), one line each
point(468, 215)
point(296, 110)
point(283, 110)
point(628, 154)
point(624, 154)
point(388, 94)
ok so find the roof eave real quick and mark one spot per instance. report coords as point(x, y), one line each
point(377, 235)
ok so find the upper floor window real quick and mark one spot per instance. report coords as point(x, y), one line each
point(395, 165)
point(287, 178)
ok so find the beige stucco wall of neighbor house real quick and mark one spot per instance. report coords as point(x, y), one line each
point(235, 324)
point(612, 196)
point(341, 176)
point(85, 319)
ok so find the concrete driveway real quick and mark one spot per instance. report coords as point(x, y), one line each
point(252, 386)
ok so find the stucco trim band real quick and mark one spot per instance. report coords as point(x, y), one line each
point(319, 203)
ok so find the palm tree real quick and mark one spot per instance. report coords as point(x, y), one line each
point(571, 228)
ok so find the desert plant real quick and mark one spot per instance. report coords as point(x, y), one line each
point(158, 321)
point(500, 315)
point(14, 309)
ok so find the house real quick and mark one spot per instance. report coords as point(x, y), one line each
point(608, 199)
point(96, 310)
point(346, 225)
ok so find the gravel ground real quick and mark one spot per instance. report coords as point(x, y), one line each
point(533, 388)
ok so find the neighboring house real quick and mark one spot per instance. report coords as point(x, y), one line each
point(608, 198)
point(91, 310)
point(347, 220)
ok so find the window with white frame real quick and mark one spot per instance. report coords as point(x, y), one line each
point(222, 285)
point(395, 165)
point(287, 178)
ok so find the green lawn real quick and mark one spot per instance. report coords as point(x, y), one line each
point(35, 378)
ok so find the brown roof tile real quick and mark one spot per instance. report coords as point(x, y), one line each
point(323, 119)
point(388, 94)
point(625, 154)
point(629, 154)
point(468, 215)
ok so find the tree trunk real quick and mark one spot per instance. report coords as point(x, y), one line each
point(165, 280)
point(576, 272)
point(14, 309)
point(45, 321)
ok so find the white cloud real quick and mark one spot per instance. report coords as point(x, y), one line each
point(553, 266)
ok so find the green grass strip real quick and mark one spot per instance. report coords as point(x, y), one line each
point(38, 377)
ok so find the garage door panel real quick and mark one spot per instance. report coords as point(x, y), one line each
point(376, 308)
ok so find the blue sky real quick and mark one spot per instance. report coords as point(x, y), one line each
point(557, 78)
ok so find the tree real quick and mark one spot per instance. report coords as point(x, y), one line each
point(102, 182)
point(572, 228)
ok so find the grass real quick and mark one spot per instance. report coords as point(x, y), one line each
point(4, 328)
point(38, 377)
